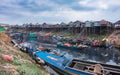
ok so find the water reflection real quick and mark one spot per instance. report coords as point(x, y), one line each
point(108, 56)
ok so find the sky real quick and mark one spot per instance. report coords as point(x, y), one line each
point(57, 11)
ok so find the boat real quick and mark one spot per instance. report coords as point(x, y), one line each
point(72, 47)
point(58, 63)
point(68, 66)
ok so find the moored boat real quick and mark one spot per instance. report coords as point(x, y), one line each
point(58, 63)
point(67, 66)
point(72, 47)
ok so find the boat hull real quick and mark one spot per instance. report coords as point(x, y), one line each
point(59, 71)
point(59, 64)
point(67, 47)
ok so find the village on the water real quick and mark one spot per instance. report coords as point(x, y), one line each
point(75, 48)
point(59, 37)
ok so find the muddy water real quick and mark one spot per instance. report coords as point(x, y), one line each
point(108, 56)
point(102, 55)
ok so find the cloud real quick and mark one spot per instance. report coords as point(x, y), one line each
point(56, 11)
point(99, 4)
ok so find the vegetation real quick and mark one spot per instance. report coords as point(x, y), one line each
point(1, 51)
point(67, 34)
point(119, 37)
point(3, 72)
point(20, 65)
point(25, 68)
point(29, 69)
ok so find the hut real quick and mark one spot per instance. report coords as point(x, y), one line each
point(117, 25)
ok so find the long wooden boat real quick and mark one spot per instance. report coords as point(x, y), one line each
point(67, 66)
point(79, 47)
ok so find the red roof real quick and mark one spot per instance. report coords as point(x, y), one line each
point(103, 22)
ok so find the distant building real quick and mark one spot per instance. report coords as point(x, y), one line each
point(5, 26)
point(88, 24)
point(105, 27)
point(117, 25)
point(101, 27)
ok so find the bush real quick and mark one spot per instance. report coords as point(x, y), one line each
point(119, 37)
point(67, 34)
point(1, 51)
point(3, 72)
point(17, 62)
point(29, 69)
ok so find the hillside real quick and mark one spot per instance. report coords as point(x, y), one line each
point(15, 62)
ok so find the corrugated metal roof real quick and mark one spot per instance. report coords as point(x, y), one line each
point(103, 22)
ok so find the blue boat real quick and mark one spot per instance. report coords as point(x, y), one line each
point(66, 66)
point(59, 63)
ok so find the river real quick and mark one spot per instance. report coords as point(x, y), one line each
point(109, 56)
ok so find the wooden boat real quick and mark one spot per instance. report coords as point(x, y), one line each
point(66, 66)
point(72, 47)
point(90, 67)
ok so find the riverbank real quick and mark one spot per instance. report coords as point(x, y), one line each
point(15, 62)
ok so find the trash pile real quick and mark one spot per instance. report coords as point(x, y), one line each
point(115, 38)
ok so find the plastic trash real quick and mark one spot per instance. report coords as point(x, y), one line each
point(7, 57)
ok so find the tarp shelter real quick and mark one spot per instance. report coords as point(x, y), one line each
point(32, 37)
point(2, 29)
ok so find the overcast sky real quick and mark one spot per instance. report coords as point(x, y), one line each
point(57, 11)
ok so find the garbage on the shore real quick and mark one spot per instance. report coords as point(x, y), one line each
point(7, 57)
